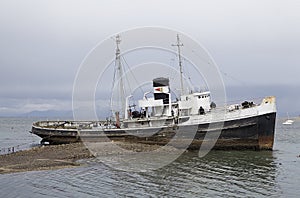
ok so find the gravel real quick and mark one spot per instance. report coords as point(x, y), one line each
point(51, 157)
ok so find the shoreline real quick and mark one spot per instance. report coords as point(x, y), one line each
point(50, 157)
point(53, 157)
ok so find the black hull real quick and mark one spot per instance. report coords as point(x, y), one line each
point(253, 133)
point(256, 133)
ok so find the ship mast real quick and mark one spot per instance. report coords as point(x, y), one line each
point(178, 44)
point(120, 72)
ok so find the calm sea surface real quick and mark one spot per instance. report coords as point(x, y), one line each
point(219, 174)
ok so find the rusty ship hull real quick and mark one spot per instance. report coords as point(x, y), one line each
point(255, 133)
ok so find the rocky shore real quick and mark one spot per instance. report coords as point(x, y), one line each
point(51, 157)
point(44, 158)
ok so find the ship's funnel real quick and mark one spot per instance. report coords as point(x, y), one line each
point(161, 89)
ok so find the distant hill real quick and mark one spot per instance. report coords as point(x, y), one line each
point(49, 114)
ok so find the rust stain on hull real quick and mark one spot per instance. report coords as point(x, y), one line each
point(266, 142)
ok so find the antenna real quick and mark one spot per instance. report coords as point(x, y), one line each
point(178, 44)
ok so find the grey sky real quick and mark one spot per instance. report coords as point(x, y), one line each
point(43, 43)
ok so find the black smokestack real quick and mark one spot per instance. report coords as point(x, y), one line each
point(161, 89)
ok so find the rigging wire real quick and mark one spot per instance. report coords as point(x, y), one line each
point(172, 64)
point(124, 76)
point(233, 78)
point(222, 72)
point(112, 88)
point(136, 81)
point(174, 73)
point(188, 74)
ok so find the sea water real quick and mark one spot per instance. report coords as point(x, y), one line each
point(218, 174)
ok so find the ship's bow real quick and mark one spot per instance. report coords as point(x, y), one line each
point(266, 124)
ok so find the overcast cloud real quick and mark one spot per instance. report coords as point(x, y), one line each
point(43, 42)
